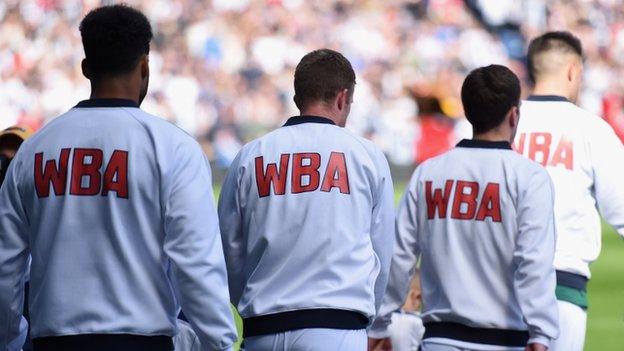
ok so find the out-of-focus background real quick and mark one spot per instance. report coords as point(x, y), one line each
point(222, 70)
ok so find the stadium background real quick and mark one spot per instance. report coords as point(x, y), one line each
point(222, 70)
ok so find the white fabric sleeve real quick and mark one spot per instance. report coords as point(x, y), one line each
point(231, 231)
point(193, 244)
point(14, 253)
point(607, 153)
point(18, 342)
point(382, 228)
point(406, 253)
point(534, 278)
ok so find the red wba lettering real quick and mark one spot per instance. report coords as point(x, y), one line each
point(437, 200)
point(116, 175)
point(467, 204)
point(490, 204)
point(539, 144)
point(51, 173)
point(564, 155)
point(540, 147)
point(81, 169)
point(86, 178)
point(462, 198)
point(336, 175)
point(272, 176)
point(310, 170)
point(305, 174)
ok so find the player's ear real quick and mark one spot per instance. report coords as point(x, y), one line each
point(144, 66)
point(514, 116)
point(574, 70)
point(85, 69)
point(342, 99)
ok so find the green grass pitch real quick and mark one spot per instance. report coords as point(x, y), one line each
point(605, 324)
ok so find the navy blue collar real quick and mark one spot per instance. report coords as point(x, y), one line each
point(307, 119)
point(107, 103)
point(547, 98)
point(484, 144)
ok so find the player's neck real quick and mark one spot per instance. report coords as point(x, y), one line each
point(316, 110)
point(551, 88)
point(494, 135)
point(114, 89)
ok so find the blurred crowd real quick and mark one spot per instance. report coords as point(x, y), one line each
point(222, 69)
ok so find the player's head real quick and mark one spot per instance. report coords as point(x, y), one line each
point(491, 99)
point(10, 141)
point(325, 82)
point(555, 61)
point(116, 42)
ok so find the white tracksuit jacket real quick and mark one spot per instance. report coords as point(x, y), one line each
point(585, 160)
point(307, 219)
point(116, 208)
point(480, 219)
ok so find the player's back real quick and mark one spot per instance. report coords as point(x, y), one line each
point(471, 208)
point(94, 195)
point(310, 198)
point(577, 149)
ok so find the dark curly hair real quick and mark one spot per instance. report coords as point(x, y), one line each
point(321, 75)
point(487, 94)
point(114, 39)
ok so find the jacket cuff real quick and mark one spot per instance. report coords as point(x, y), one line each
point(378, 330)
point(539, 339)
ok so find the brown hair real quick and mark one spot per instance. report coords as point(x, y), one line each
point(320, 76)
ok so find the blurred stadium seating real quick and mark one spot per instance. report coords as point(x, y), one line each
point(222, 69)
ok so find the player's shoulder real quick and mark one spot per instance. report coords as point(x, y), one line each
point(432, 167)
point(592, 125)
point(440, 160)
point(61, 122)
point(163, 130)
point(524, 164)
point(252, 147)
point(158, 123)
point(366, 144)
point(571, 112)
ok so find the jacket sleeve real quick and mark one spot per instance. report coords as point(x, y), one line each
point(193, 244)
point(406, 253)
point(14, 251)
point(382, 228)
point(534, 278)
point(231, 231)
point(607, 153)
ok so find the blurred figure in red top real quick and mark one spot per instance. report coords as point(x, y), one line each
point(613, 112)
point(435, 133)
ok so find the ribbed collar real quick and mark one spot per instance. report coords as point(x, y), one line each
point(307, 119)
point(547, 98)
point(107, 103)
point(484, 144)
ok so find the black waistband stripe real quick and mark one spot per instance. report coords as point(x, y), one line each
point(487, 336)
point(303, 319)
point(571, 280)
